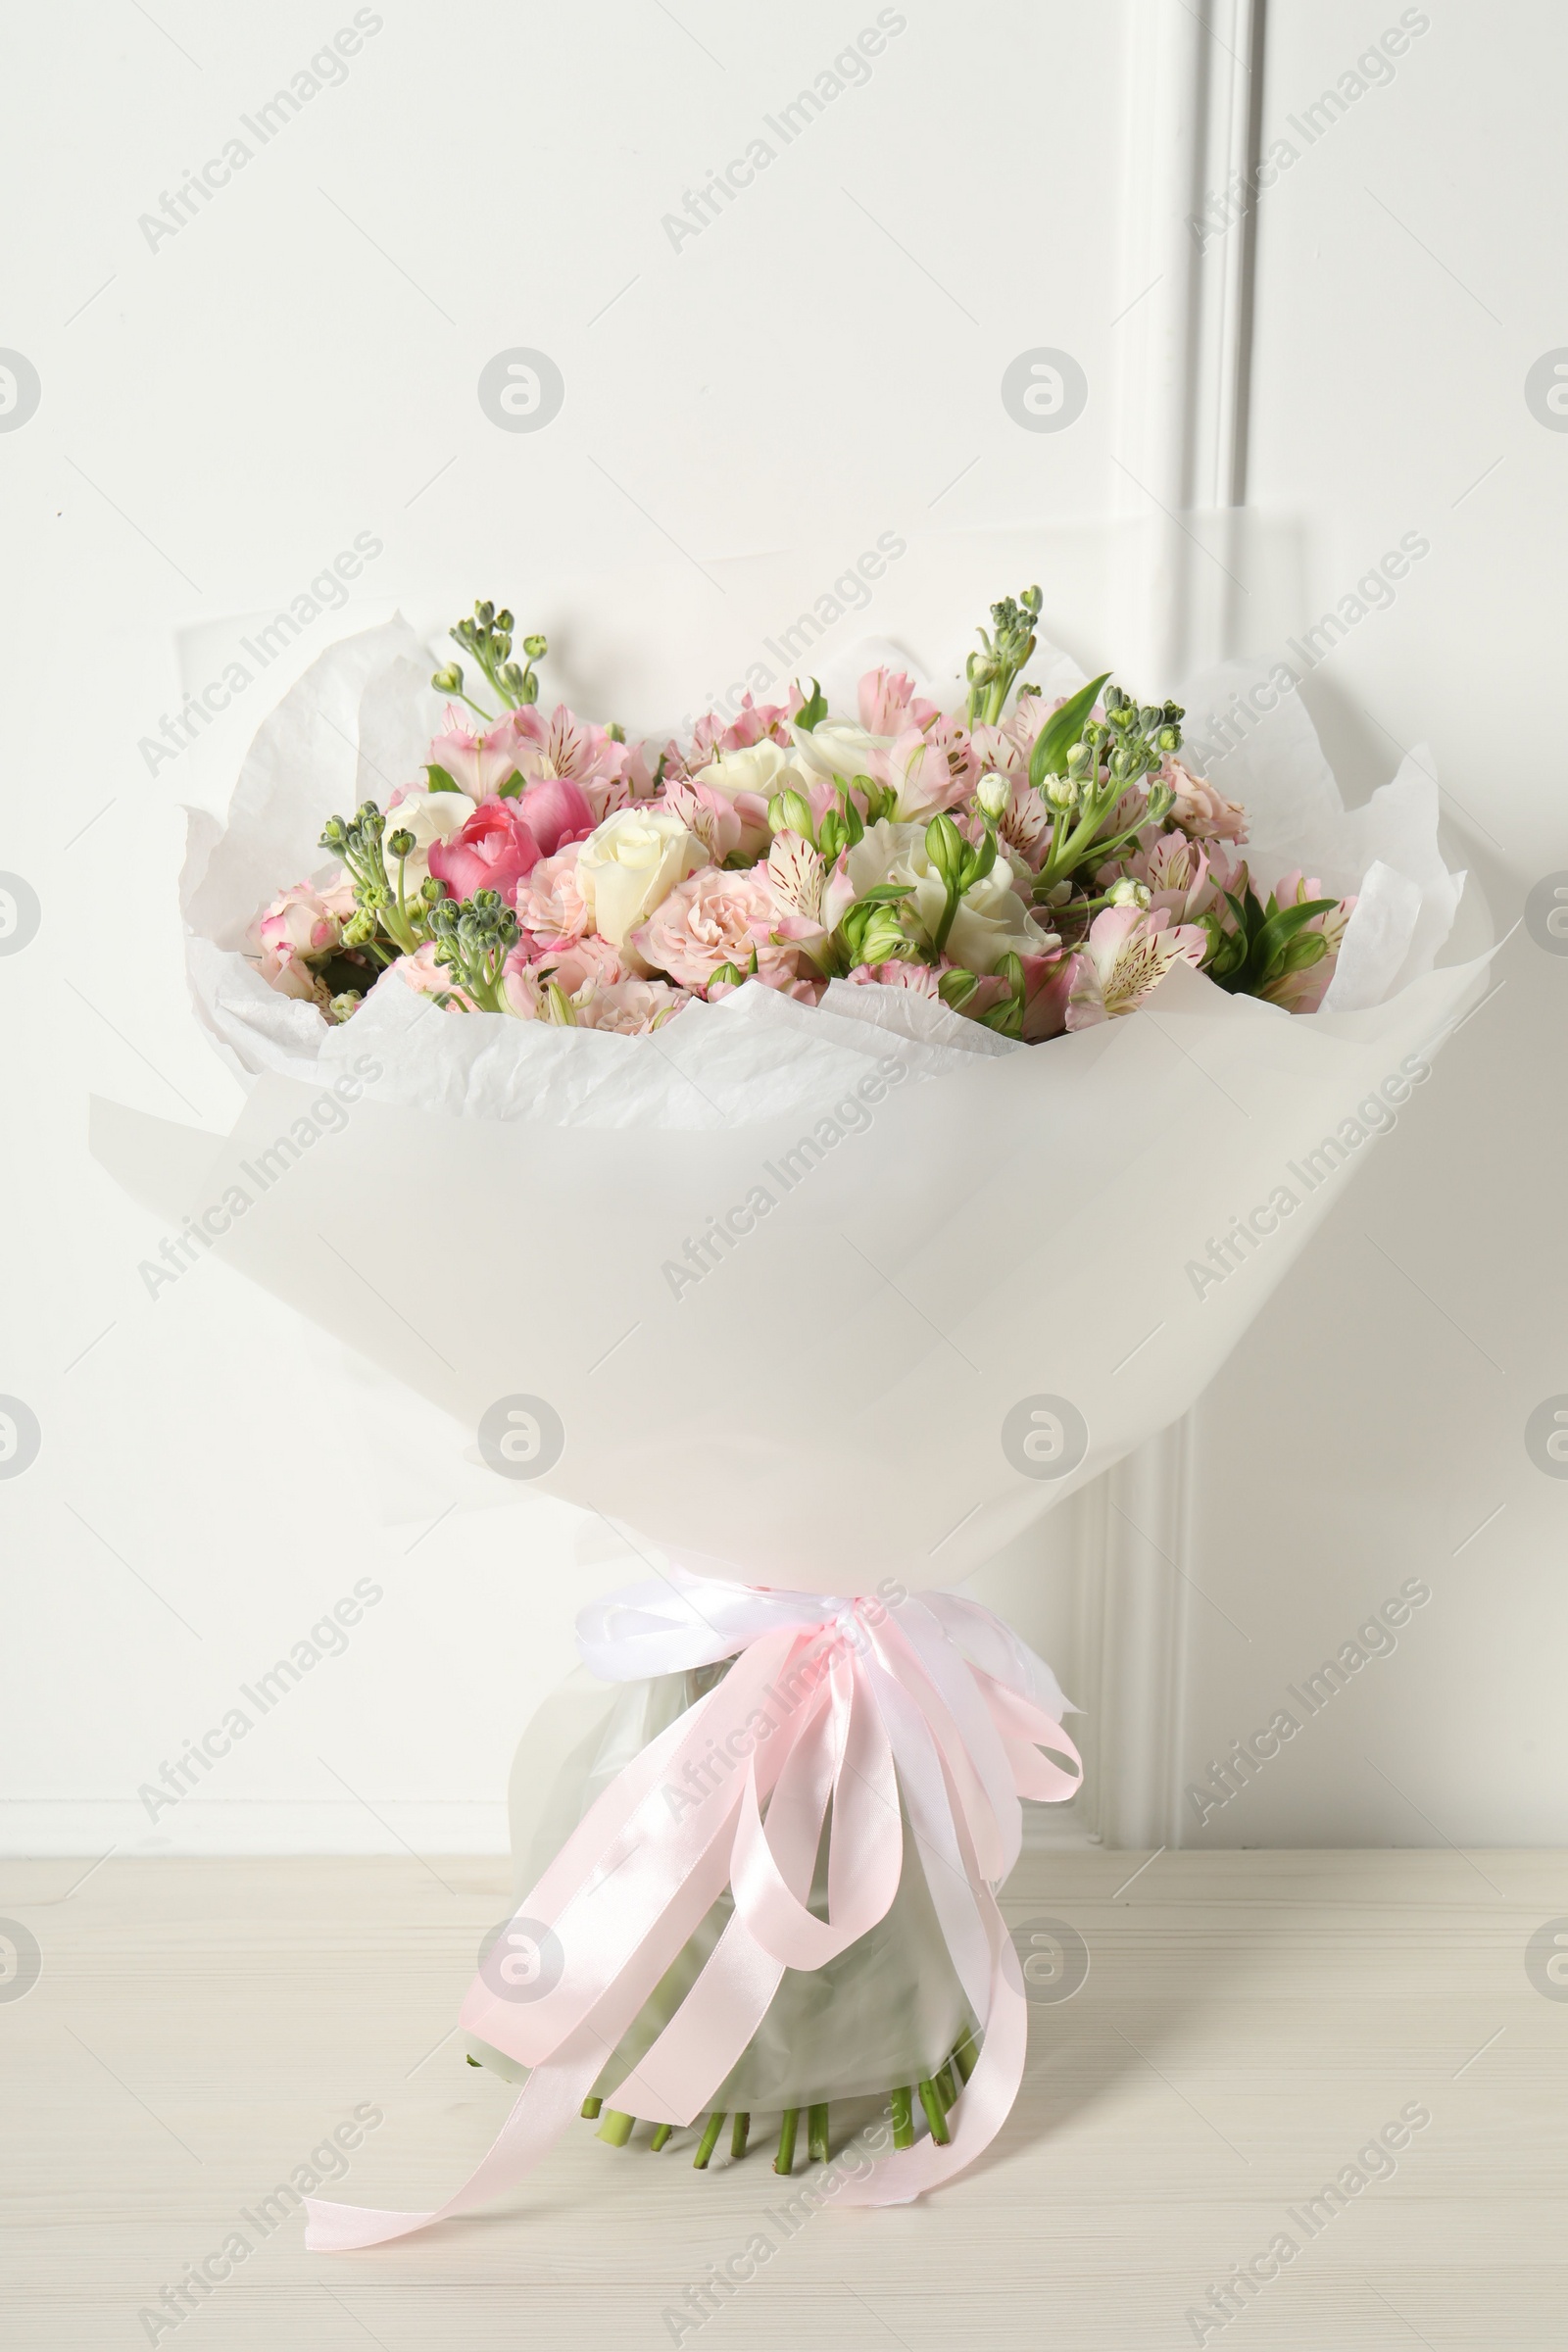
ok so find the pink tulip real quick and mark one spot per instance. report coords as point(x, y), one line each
point(556, 812)
point(494, 850)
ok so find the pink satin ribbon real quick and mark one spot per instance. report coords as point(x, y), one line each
point(831, 1701)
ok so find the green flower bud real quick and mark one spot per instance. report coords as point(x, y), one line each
point(945, 846)
point(400, 842)
point(1128, 893)
point(787, 808)
point(993, 794)
point(341, 1008)
point(536, 647)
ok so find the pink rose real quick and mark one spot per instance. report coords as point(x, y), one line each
point(551, 905)
point(714, 918)
point(579, 959)
point(291, 976)
point(631, 1007)
point(427, 978)
point(493, 851)
point(303, 921)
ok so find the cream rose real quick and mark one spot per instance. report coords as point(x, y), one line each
point(762, 769)
point(430, 816)
point(992, 919)
point(630, 864)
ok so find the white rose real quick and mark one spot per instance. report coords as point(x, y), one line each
point(631, 862)
point(838, 747)
point(764, 769)
point(990, 921)
point(430, 816)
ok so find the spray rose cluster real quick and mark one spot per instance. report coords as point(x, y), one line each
point(1034, 865)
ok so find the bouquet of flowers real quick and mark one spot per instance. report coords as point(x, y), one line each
point(1037, 868)
point(803, 1274)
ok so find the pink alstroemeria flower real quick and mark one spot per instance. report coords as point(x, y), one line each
point(563, 745)
point(478, 764)
point(1201, 809)
point(717, 821)
point(889, 703)
point(1303, 989)
point(1125, 956)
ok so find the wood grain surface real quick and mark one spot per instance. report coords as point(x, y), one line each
point(1249, 2022)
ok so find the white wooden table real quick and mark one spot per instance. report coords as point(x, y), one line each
point(1249, 2021)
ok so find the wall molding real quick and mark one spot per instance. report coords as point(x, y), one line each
point(1192, 129)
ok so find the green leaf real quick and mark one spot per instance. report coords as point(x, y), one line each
point(439, 781)
point(1281, 927)
point(813, 713)
point(509, 790)
point(1060, 732)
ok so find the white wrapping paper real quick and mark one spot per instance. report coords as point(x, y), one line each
point(791, 1283)
point(825, 1298)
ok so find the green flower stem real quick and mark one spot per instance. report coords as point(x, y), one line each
point(935, 2114)
point(591, 2107)
point(903, 2101)
point(947, 2088)
point(966, 2055)
point(660, 2134)
point(784, 2161)
point(816, 2133)
point(616, 2127)
point(403, 905)
point(740, 2132)
point(940, 940)
point(710, 2139)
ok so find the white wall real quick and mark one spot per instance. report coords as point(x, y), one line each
point(222, 412)
point(743, 414)
point(1409, 274)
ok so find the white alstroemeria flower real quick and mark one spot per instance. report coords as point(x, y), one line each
point(992, 919)
point(838, 747)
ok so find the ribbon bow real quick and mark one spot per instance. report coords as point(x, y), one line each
point(848, 1701)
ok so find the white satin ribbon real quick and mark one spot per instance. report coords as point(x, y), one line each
point(834, 1708)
